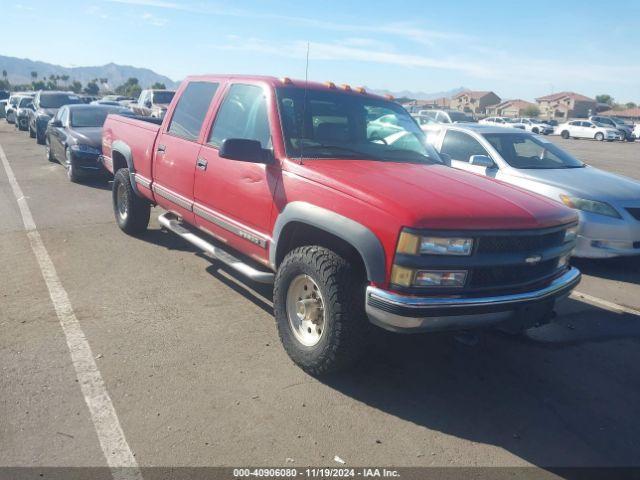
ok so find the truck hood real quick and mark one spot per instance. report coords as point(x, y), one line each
point(436, 196)
point(587, 182)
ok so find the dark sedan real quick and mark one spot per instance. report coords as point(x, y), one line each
point(46, 105)
point(74, 138)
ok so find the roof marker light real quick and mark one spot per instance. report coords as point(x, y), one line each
point(330, 84)
point(389, 97)
point(361, 90)
point(286, 80)
point(346, 87)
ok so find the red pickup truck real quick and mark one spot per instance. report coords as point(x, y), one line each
point(334, 196)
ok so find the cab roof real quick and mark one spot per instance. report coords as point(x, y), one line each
point(287, 82)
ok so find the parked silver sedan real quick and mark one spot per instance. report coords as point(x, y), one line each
point(608, 204)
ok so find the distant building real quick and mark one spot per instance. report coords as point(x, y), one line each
point(415, 106)
point(474, 101)
point(565, 105)
point(627, 114)
point(510, 108)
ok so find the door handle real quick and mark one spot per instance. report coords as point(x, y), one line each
point(162, 148)
point(201, 163)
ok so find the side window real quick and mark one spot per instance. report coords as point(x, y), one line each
point(191, 109)
point(64, 116)
point(442, 118)
point(461, 146)
point(243, 114)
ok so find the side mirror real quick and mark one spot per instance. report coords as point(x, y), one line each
point(446, 159)
point(56, 123)
point(244, 150)
point(593, 126)
point(148, 104)
point(481, 161)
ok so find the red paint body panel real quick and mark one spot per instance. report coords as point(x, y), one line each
point(382, 196)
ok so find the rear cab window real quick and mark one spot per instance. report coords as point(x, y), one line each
point(191, 110)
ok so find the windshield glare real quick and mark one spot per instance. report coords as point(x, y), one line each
point(525, 151)
point(90, 117)
point(349, 126)
point(24, 101)
point(458, 117)
point(57, 100)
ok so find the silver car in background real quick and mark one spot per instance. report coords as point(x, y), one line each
point(608, 204)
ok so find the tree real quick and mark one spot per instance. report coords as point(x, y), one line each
point(531, 111)
point(130, 88)
point(4, 74)
point(159, 86)
point(92, 88)
point(604, 98)
point(65, 79)
point(76, 86)
point(630, 105)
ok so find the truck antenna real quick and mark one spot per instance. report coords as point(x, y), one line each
point(304, 104)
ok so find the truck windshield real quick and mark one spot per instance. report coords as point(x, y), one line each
point(57, 100)
point(345, 125)
point(526, 151)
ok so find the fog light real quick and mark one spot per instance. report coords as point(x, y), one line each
point(438, 278)
point(564, 261)
point(571, 233)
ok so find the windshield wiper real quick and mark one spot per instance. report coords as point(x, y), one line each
point(354, 153)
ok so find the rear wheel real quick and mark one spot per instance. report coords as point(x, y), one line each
point(132, 212)
point(599, 136)
point(32, 134)
point(565, 134)
point(39, 137)
point(319, 310)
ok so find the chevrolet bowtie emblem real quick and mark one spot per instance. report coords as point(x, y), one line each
point(533, 259)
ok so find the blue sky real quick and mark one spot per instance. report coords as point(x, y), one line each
point(518, 50)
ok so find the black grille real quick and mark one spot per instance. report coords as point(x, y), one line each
point(512, 275)
point(520, 243)
point(635, 212)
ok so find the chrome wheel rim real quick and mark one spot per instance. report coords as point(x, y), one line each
point(121, 201)
point(47, 149)
point(69, 164)
point(305, 310)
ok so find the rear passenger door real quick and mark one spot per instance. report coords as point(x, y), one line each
point(234, 199)
point(177, 148)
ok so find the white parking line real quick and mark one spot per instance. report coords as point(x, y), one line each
point(116, 451)
point(600, 302)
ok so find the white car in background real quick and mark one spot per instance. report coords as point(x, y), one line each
point(534, 125)
point(587, 129)
point(447, 116)
point(499, 121)
point(636, 130)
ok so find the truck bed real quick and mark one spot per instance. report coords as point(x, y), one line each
point(138, 134)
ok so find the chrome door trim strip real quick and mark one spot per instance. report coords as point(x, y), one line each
point(172, 196)
point(144, 181)
point(226, 224)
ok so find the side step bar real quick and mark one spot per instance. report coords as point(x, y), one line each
point(171, 222)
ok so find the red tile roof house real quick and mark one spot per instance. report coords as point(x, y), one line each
point(510, 108)
point(474, 101)
point(566, 105)
point(628, 114)
point(417, 105)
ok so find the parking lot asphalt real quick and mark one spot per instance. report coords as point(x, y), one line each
point(191, 359)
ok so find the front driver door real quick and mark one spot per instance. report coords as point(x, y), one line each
point(234, 199)
point(460, 147)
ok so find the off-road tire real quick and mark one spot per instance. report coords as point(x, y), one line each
point(138, 210)
point(346, 328)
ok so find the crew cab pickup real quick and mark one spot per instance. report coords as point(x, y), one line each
point(295, 183)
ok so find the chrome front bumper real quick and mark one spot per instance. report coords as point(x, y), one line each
point(403, 313)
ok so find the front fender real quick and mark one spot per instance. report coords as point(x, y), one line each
point(360, 237)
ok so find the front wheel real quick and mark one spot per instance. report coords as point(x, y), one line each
point(319, 309)
point(47, 151)
point(39, 137)
point(32, 134)
point(565, 134)
point(599, 136)
point(132, 212)
point(72, 171)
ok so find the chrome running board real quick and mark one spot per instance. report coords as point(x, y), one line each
point(171, 222)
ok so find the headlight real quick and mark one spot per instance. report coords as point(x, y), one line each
point(592, 206)
point(413, 244)
point(85, 149)
point(571, 234)
point(407, 277)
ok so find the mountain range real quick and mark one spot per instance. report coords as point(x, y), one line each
point(19, 71)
